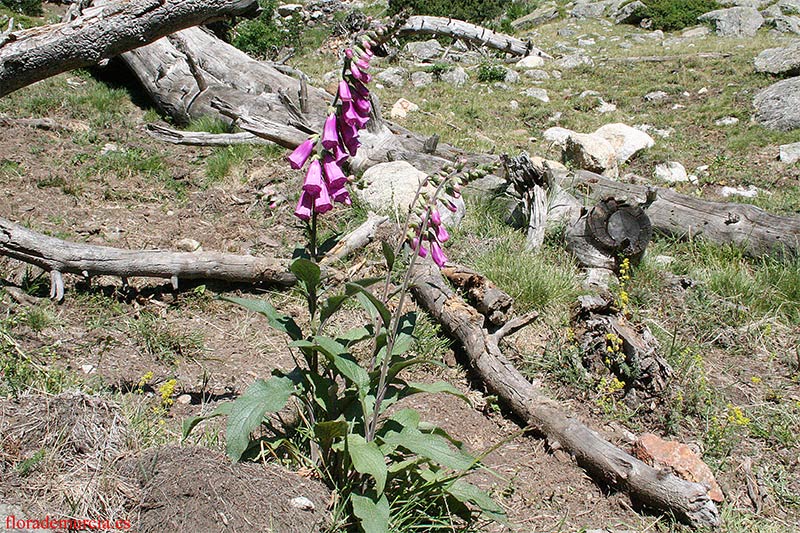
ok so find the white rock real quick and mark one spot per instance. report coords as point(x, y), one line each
point(663, 260)
point(89, 369)
point(591, 152)
point(790, 153)
point(188, 245)
point(108, 148)
point(672, 172)
point(302, 503)
point(557, 136)
point(625, 140)
point(605, 107)
point(455, 76)
point(184, 399)
point(655, 96)
point(572, 61)
point(391, 187)
point(726, 121)
point(287, 10)
point(703, 90)
point(750, 192)
point(402, 108)
point(537, 93)
point(537, 74)
point(514, 105)
point(530, 62)
point(421, 79)
point(586, 42)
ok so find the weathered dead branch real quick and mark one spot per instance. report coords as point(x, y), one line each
point(484, 295)
point(356, 239)
point(201, 138)
point(458, 29)
point(647, 486)
point(102, 32)
point(61, 257)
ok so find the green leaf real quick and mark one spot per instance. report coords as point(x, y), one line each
point(401, 365)
point(388, 254)
point(369, 301)
point(331, 305)
point(307, 273)
point(355, 335)
point(367, 459)
point(277, 320)
point(330, 430)
point(405, 334)
point(468, 493)
point(248, 411)
point(190, 423)
point(344, 362)
point(374, 516)
point(434, 388)
point(430, 446)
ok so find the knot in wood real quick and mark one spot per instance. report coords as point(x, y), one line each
point(619, 228)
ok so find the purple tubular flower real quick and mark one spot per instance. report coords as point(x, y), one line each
point(341, 195)
point(313, 183)
point(339, 155)
point(349, 137)
point(330, 136)
point(441, 234)
point(437, 254)
point(360, 76)
point(362, 105)
point(351, 115)
point(450, 205)
point(344, 92)
point(323, 202)
point(360, 89)
point(304, 206)
point(436, 218)
point(300, 154)
point(333, 173)
point(416, 244)
point(363, 63)
point(349, 53)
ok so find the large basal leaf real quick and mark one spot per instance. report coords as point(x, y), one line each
point(277, 320)
point(430, 446)
point(468, 493)
point(248, 411)
point(370, 302)
point(434, 388)
point(307, 273)
point(330, 430)
point(190, 423)
point(367, 459)
point(374, 516)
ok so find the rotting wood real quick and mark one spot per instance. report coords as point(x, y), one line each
point(756, 231)
point(356, 239)
point(62, 257)
point(530, 183)
point(201, 138)
point(493, 303)
point(101, 32)
point(607, 463)
point(458, 29)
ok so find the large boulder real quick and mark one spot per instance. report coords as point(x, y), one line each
point(542, 14)
point(392, 77)
point(789, 7)
point(627, 14)
point(778, 106)
point(785, 23)
point(625, 140)
point(591, 152)
point(734, 21)
point(572, 61)
point(390, 188)
point(426, 51)
point(780, 61)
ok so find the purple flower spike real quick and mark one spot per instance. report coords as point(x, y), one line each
point(436, 218)
point(313, 182)
point(349, 137)
point(304, 206)
point(416, 244)
point(359, 89)
point(330, 137)
point(351, 116)
point(437, 254)
point(360, 76)
point(323, 203)
point(344, 92)
point(441, 234)
point(362, 105)
point(333, 173)
point(300, 155)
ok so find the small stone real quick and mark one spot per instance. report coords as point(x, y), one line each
point(456, 76)
point(89, 369)
point(402, 108)
point(421, 79)
point(302, 503)
point(184, 399)
point(512, 76)
point(530, 62)
point(672, 172)
point(698, 31)
point(586, 42)
point(726, 121)
point(537, 74)
point(188, 245)
point(572, 61)
point(393, 77)
point(606, 107)
point(109, 148)
point(750, 192)
point(287, 10)
point(425, 50)
point(655, 96)
point(514, 105)
point(790, 153)
point(663, 260)
point(537, 93)
point(704, 90)
point(680, 458)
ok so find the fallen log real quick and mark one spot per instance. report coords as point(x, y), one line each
point(490, 301)
point(356, 239)
point(756, 231)
point(105, 31)
point(458, 29)
point(201, 138)
point(655, 489)
point(61, 257)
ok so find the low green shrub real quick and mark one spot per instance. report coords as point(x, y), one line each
point(469, 10)
point(263, 37)
point(488, 72)
point(671, 15)
point(32, 8)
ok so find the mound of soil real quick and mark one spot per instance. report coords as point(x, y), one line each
point(197, 489)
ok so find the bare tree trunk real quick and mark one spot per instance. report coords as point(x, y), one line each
point(102, 32)
point(60, 257)
point(200, 138)
point(652, 488)
point(479, 35)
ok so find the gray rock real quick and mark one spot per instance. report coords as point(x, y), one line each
point(726, 121)
point(771, 11)
point(536, 74)
point(625, 15)
point(586, 42)
point(391, 187)
point(566, 32)
point(537, 94)
point(789, 7)
point(530, 62)
point(557, 136)
point(778, 106)
point(589, 9)
point(572, 61)
point(591, 152)
point(456, 76)
point(425, 51)
point(512, 76)
point(421, 79)
point(749, 192)
point(734, 21)
point(393, 77)
point(785, 24)
point(672, 172)
point(542, 14)
point(697, 31)
point(783, 61)
point(625, 140)
point(758, 4)
point(655, 96)
point(790, 153)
